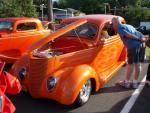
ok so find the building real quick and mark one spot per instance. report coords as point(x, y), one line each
point(64, 13)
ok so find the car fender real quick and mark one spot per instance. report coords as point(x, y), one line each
point(72, 84)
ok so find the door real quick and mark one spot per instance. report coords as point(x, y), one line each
point(110, 48)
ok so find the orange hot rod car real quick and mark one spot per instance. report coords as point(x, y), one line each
point(16, 34)
point(80, 57)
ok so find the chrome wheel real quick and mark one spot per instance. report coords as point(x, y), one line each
point(84, 93)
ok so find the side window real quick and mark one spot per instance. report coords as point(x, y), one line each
point(110, 30)
point(107, 31)
point(26, 26)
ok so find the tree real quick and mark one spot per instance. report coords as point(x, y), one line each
point(17, 8)
point(134, 11)
point(26, 8)
point(55, 4)
point(87, 6)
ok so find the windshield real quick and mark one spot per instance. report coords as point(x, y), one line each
point(85, 30)
point(5, 25)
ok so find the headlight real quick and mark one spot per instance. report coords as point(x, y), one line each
point(22, 73)
point(51, 83)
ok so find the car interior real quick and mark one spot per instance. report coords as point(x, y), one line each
point(107, 31)
point(26, 26)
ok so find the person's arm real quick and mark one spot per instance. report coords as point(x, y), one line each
point(129, 35)
point(132, 36)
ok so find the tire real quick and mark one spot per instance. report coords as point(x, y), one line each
point(84, 93)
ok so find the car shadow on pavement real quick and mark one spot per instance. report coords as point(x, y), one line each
point(113, 89)
point(24, 103)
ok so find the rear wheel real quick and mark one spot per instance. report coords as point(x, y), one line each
point(84, 93)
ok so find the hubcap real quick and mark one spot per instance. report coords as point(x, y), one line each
point(85, 91)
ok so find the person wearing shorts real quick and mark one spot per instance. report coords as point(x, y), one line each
point(132, 40)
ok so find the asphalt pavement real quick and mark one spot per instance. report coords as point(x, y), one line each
point(110, 99)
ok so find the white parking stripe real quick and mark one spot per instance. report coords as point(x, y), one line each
point(133, 98)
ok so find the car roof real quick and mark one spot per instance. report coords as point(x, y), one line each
point(14, 19)
point(96, 18)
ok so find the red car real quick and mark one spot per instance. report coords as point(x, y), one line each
point(8, 84)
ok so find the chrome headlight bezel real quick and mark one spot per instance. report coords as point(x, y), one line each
point(51, 83)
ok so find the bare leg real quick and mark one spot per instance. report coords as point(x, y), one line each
point(137, 70)
point(129, 71)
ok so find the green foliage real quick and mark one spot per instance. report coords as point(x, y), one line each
point(134, 11)
point(87, 6)
point(77, 13)
point(17, 8)
point(131, 10)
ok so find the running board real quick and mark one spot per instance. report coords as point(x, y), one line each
point(111, 72)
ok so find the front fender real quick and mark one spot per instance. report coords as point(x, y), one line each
point(72, 84)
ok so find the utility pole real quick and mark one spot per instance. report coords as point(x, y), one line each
point(41, 8)
point(106, 4)
point(50, 10)
point(115, 9)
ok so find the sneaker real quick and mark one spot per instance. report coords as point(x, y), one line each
point(125, 83)
point(135, 84)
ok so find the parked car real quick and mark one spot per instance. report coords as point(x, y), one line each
point(145, 30)
point(10, 85)
point(72, 61)
point(17, 34)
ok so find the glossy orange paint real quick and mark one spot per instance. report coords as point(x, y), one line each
point(75, 60)
point(15, 42)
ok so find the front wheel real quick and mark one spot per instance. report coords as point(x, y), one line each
point(84, 93)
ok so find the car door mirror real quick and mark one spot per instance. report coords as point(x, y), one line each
point(10, 29)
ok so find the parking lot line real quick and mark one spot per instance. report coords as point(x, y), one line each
point(133, 98)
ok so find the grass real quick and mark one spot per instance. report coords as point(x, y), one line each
point(147, 51)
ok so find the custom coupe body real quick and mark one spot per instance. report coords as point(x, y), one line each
point(17, 34)
point(73, 61)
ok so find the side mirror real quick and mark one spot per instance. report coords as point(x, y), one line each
point(10, 29)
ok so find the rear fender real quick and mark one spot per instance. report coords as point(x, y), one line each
point(123, 55)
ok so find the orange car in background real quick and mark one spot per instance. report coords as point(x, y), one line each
point(73, 61)
point(17, 34)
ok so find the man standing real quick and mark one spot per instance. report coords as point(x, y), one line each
point(133, 40)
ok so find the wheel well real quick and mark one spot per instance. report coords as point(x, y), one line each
point(93, 84)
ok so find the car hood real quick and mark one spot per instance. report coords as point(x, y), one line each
point(56, 34)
